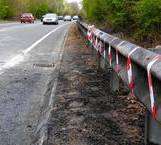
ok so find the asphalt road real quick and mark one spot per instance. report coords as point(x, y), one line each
point(29, 64)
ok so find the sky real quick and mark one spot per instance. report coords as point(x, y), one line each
point(78, 1)
point(74, 1)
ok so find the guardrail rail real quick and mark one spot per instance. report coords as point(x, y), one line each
point(139, 68)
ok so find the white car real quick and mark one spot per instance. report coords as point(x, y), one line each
point(76, 18)
point(50, 19)
point(67, 18)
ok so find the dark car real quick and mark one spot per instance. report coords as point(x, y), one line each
point(60, 17)
point(27, 18)
point(42, 18)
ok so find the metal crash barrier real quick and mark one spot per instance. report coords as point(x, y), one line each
point(139, 68)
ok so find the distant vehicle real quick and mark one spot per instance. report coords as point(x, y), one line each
point(67, 18)
point(42, 18)
point(60, 17)
point(76, 18)
point(27, 18)
point(50, 19)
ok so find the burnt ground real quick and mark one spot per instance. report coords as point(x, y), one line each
point(85, 111)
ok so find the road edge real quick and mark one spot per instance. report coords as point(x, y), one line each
point(42, 129)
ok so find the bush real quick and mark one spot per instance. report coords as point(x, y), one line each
point(140, 19)
point(39, 10)
point(13, 8)
point(148, 15)
point(3, 9)
point(117, 13)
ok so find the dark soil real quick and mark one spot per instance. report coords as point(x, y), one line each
point(85, 111)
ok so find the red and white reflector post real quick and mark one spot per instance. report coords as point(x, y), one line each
point(104, 46)
point(96, 44)
point(151, 89)
point(110, 53)
point(90, 33)
point(101, 48)
point(129, 71)
point(117, 67)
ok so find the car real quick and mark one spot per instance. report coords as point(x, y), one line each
point(50, 19)
point(27, 18)
point(60, 17)
point(76, 18)
point(67, 18)
point(42, 18)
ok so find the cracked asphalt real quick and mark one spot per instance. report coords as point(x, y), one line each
point(29, 63)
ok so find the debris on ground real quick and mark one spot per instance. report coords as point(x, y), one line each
point(85, 111)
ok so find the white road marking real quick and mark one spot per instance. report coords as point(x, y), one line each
point(57, 66)
point(2, 30)
point(19, 25)
point(20, 57)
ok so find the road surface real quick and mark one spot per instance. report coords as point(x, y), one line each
point(29, 60)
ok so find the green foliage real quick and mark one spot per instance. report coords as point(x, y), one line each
point(96, 9)
point(71, 9)
point(139, 17)
point(4, 9)
point(38, 9)
point(148, 14)
point(13, 8)
point(118, 13)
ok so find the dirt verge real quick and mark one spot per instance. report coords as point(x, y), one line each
point(85, 111)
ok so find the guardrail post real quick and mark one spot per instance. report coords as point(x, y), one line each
point(152, 130)
point(93, 51)
point(105, 59)
point(104, 63)
point(98, 59)
point(114, 81)
point(146, 132)
point(114, 78)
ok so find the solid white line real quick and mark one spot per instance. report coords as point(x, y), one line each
point(40, 40)
point(20, 57)
point(2, 30)
point(57, 66)
point(12, 26)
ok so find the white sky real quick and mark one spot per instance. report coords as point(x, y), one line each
point(78, 1)
point(74, 1)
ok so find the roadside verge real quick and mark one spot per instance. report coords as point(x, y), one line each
point(41, 134)
point(85, 111)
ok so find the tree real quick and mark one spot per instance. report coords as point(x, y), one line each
point(4, 9)
point(117, 13)
point(13, 8)
point(71, 8)
point(148, 15)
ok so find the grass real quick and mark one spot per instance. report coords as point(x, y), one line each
point(6, 21)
